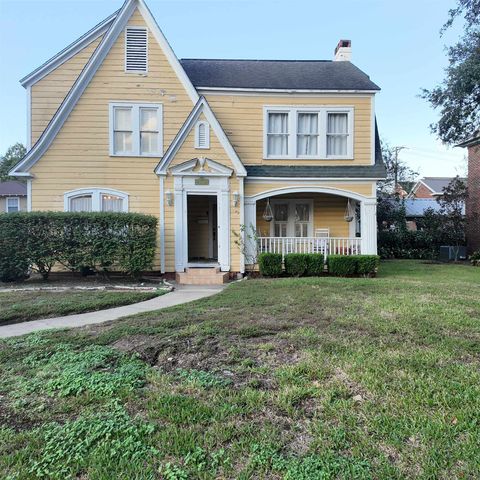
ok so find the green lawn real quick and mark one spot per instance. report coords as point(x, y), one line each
point(291, 379)
point(23, 306)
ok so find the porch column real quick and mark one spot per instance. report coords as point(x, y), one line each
point(250, 244)
point(223, 199)
point(368, 219)
point(180, 210)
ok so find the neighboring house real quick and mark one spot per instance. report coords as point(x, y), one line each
point(13, 196)
point(473, 187)
point(403, 189)
point(429, 187)
point(415, 209)
point(291, 148)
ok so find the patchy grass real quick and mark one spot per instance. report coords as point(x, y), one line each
point(22, 306)
point(313, 378)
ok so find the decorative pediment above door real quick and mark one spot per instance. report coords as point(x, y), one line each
point(201, 167)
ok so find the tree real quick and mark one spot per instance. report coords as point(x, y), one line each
point(397, 170)
point(12, 156)
point(458, 96)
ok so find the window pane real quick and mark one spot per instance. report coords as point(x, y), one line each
point(112, 203)
point(336, 145)
point(302, 212)
point(12, 205)
point(301, 230)
point(337, 123)
point(281, 212)
point(148, 142)
point(148, 119)
point(81, 204)
point(277, 123)
point(280, 230)
point(277, 144)
point(307, 123)
point(123, 142)
point(123, 118)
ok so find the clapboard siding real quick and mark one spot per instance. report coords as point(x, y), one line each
point(242, 119)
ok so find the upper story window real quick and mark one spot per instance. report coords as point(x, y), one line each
point(135, 129)
point(308, 132)
point(136, 50)
point(95, 200)
point(12, 204)
point(202, 134)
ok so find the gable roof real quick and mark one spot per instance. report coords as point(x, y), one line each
point(277, 75)
point(201, 106)
point(68, 52)
point(471, 141)
point(11, 187)
point(434, 184)
point(85, 77)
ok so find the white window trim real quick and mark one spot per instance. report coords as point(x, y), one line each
point(291, 220)
point(135, 128)
point(12, 198)
point(135, 72)
point(322, 111)
point(96, 194)
point(207, 135)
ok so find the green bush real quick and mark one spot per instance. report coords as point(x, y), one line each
point(296, 264)
point(367, 264)
point(342, 265)
point(99, 241)
point(345, 265)
point(475, 258)
point(315, 264)
point(270, 264)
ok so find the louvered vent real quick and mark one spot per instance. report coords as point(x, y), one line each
point(136, 45)
point(202, 135)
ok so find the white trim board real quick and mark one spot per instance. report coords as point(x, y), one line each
point(263, 91)
point(88, 73)
point(201, 106)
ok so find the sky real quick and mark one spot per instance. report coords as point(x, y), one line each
point(396, 43)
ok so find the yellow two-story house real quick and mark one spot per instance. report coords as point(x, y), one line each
point(234, 157)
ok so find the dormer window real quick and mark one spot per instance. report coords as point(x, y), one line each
point(136, 50)
point(202, 135)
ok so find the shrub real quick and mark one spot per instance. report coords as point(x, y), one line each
point(367, 264)
point(475, 258)
point(99, 241)
point(14, 264)
point(270, 264)
point(315, 264)
point(296, 264)
point(342, 265)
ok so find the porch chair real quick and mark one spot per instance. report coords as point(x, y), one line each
point(321, 247)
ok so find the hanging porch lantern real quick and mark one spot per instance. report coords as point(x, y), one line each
point(349, 212)
point(268, 213)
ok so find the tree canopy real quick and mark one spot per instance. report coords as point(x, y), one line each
point(12, 156)
point(458, 96)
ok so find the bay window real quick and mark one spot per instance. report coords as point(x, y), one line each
point(308, 132)
point(135, 130)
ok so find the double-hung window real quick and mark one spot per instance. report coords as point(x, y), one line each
point(13, 204)
point(308, 132)
point(278, 134)
point(136, 130)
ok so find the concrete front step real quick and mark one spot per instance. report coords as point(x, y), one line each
point(202, 276)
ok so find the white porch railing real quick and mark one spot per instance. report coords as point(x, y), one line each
point(325, 246)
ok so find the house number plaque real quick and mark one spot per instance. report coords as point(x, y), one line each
point(202, 181)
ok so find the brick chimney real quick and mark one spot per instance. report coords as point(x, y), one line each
point(343, 51)
point(473, 186)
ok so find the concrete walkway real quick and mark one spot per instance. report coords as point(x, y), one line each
point(181, 294)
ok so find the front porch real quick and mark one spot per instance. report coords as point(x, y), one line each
point(310, 222)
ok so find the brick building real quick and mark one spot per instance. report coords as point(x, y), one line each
point(473, 184)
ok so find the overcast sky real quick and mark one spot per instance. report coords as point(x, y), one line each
point(396, 43)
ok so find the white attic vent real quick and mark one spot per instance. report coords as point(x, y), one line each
point(136, 49)
point(202, 135)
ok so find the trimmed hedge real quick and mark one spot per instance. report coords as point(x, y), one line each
point(315, 264)
point(296, 264)
point(345, 265)
point(270, 264)
point(98, 241)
